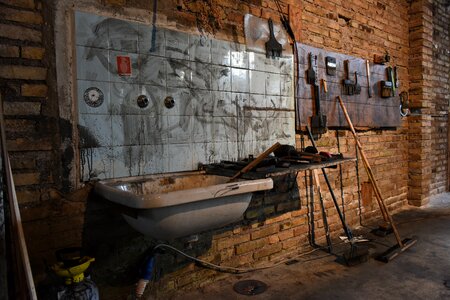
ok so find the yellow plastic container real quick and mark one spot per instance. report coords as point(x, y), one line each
point(73, 274)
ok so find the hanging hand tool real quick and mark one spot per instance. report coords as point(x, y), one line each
point(357, 253)
point(357, 86)
point(273, 48)
point(330, 63)
point(402, 245)
point(387, 86)
point(310, 74)
point(349, 85)
point(318, 120)
point(368, 79)
point(391, 79)
point(396, 82)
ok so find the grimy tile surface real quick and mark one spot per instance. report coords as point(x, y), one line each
point(229, 102)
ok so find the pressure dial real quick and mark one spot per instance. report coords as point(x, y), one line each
point(93, 97)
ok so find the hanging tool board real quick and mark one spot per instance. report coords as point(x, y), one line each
point(373, 112)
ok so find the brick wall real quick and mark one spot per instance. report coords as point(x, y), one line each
point(358, 27)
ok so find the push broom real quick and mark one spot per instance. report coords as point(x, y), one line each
point(402, 245)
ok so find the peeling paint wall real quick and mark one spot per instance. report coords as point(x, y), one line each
point(228, 102)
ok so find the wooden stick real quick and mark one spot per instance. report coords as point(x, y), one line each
point(383, 208)
point(256, 161)
point(322, 208)
point(15, 214)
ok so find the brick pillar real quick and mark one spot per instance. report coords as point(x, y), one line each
point(419, 133)
point(429, 97)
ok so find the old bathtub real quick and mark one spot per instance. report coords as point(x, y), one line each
point(175, 205)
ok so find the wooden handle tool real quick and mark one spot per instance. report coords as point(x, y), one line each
point(368, 79)
point(256, 161)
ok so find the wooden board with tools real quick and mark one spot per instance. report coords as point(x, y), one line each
point(346, 76)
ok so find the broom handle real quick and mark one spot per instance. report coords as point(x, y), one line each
point(387, 217)
point(256, 161)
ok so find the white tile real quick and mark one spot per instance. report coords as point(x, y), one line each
point(260, 62)
point(287, 103)
point(220, 78)
point(202, 153)
point(180, 158)
point(273, 84)
point(225, 151)
point(180, 129)
point(257, 82)
point(225, 129)
point(201, 75)
point(260, 128)
point(287, 85)
point(94, 130)
point(179, 73)
point(132, 130)
point(239, 80)
point(202, 129)
point(115, 77)
point(82, 87)
point(140, 160)
point(287, 65)
point(152, 70)
point(199, 48)
point(156, 159)
point(96, 163)
point(274, 102)
point(92, 64)
point(91, 30)
point(220, 52)
point(151, 40)
point(257, 109)
point(239, 57)
point(202, 103)
point(224, 106)
point(123, 35)
point(185, 102)
point(177, 45)
point(122, 165)
point(164, 129)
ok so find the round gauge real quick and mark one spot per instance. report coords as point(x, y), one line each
point(93, 97)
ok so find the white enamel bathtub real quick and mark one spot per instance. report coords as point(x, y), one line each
point(176, 205)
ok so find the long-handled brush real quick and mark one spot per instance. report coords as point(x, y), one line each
point(402, 245)
point(358, 253)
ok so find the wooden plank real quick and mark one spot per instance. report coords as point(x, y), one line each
point(374, 112)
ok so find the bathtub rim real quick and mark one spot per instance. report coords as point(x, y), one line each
point(107, 190)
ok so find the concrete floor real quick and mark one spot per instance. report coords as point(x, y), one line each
point(421, 272)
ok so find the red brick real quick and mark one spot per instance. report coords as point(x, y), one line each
point(33, 52)
point(22, 16)
point(20, 33)
point(9, 51)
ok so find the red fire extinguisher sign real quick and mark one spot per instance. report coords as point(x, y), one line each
point(123, 65)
